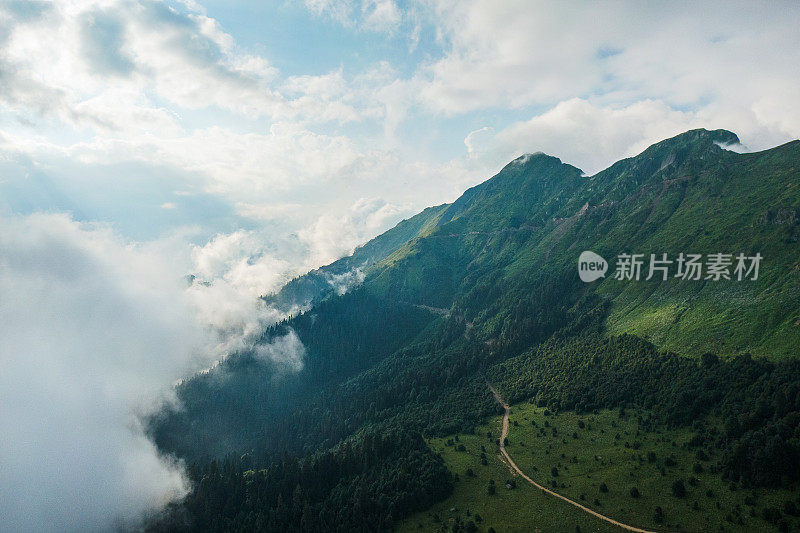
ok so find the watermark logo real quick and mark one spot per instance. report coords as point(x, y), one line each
point(591, 266)
point(692, 267)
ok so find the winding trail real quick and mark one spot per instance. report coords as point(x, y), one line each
point(507, 458)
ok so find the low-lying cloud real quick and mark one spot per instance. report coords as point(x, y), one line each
point(286, 352)
point(94, 332)
point(230, 273)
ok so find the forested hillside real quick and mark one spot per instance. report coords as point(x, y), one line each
point(487, 288)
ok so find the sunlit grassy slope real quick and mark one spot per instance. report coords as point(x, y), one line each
point(599, 459)
point(528, 224)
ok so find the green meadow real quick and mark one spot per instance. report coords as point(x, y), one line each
point(613, 462)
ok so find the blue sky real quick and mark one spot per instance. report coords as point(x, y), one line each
point(298, 41)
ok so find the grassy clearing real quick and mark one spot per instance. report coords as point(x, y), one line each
point(522, 509)
point(607, 463)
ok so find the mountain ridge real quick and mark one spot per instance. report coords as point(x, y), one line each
point(547, 205)
point(489, 290)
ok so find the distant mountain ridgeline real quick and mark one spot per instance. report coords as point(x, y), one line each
point(683, 195)
point(401, 336)
point(345, 273)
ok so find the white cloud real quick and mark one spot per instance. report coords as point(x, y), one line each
point(333, 236)
point(240, 167)
point(720, 60)
point(381, 15)
point(94, 331)
point(589, 136)
point(286, 351)
point(242, 257)
point(339, 10)
point(473, 136)
point(113, 65)
point(593, 136)
point(248, 166)
point(232, 271)
point(510, 54)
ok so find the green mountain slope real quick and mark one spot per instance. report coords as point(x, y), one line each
point(488, 288)
point(342, 274)
point(685, 194)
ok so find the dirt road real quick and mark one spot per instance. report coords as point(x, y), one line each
point(507, 458)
